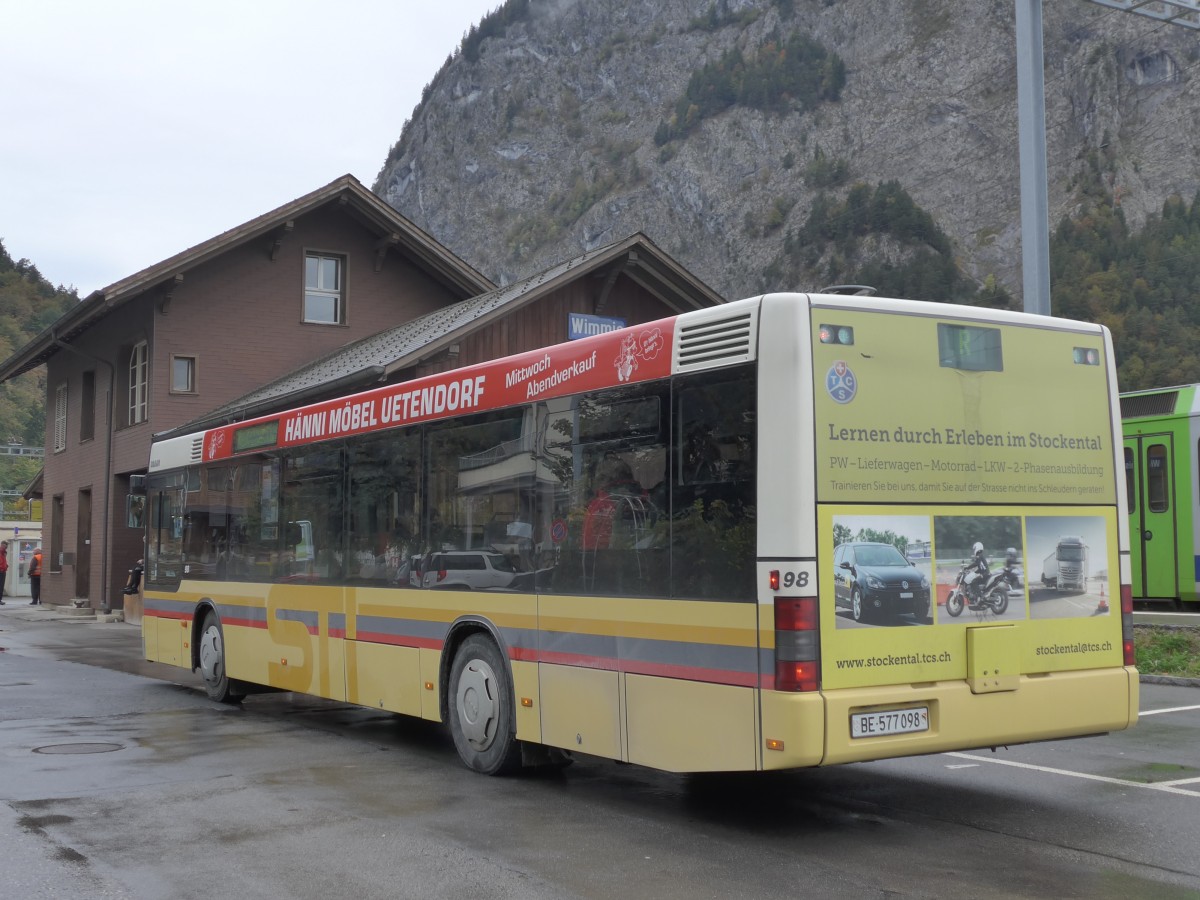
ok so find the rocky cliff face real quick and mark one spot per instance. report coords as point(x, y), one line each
point(538, 140)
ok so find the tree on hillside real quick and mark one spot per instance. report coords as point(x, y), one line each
point(28, 305)
point(1145, 287)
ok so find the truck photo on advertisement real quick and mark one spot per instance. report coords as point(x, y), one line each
point(1066, 569)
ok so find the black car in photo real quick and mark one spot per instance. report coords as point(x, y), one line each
point(874, 580)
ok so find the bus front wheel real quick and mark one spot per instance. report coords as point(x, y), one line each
point(481, 708)
point(212, 662)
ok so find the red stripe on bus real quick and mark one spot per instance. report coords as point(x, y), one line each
point(168, 614)
point(245, 623)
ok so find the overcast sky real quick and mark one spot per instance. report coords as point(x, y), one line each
point(134, 129)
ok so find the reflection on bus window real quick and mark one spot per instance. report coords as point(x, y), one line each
point(385, 510)
point(713, 533)
point(607, 454)
point(311, 516)
point(480, 487)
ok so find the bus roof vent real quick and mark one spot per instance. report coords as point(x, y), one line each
point(198, 449)
point(716, 337)
point(854, 290)
point(1138, 405)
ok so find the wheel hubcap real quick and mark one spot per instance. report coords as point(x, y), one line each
point(212, 654)
point(476, 703)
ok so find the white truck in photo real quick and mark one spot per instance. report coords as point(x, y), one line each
point(1066, 568)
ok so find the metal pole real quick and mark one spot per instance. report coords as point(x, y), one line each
point(1031, 135)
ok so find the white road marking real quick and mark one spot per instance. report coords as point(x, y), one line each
point(1166, 787)
point(1155, 712)
point(1179, 781)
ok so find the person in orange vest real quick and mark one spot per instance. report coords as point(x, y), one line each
point(35, 577)
point(3, 569)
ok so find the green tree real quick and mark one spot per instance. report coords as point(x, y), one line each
point(28, 305)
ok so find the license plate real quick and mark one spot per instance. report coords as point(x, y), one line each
point(906, 596)
point(893, 721)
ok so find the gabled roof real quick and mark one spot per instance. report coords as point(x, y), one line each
point(395, 232)
point(376, 358)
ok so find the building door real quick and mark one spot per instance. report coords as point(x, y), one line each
point(83, 546)
point(1149, 480)
point(25, 548)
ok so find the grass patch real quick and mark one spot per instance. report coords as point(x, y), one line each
point(1168, 651)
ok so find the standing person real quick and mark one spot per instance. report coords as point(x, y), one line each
point(3, 569)
point(35, 577)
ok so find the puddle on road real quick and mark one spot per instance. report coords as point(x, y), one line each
point(78, 748)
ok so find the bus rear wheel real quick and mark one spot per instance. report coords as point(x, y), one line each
point(481, 708)
point(212, 662)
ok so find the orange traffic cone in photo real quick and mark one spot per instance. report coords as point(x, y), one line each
point(1103, 605)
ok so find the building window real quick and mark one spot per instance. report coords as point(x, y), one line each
point(60, 418)
point(323, 301)
point(139, 382)
point(87, 407)
point(183, 374)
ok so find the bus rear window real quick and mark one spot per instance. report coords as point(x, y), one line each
point(969, 347)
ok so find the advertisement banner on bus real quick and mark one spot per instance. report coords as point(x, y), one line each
point(930, 411)
point(607, 360)
point(890, 590)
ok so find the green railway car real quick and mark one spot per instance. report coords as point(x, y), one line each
point(1162, 439)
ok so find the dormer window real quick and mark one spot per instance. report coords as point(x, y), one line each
point(324, 302)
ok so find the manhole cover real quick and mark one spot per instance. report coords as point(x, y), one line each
point(78, 748)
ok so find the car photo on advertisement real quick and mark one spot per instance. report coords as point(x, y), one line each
point(875, 582)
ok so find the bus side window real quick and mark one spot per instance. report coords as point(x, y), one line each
point(164, 538)
point(713, 533)
point(480, 484)
point(310, 516)
point(384, 508)
point(606, 507)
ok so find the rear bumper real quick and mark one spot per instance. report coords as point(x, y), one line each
point(815, 728)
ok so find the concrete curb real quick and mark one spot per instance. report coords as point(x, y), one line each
point(1169, 679)
point(57, 613)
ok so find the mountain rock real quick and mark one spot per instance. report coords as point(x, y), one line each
point(561, 125)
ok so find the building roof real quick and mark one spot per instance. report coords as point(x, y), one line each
point(396, 232)
point(376, 358)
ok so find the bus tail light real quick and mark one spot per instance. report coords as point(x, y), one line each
point(797, 656)
point(1127, 624)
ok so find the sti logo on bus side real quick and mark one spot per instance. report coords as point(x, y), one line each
point(841, 383)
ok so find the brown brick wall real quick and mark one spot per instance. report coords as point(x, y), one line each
point(240, 316)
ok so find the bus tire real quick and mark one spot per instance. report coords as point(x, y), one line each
point(482, 719)
point(211, 653)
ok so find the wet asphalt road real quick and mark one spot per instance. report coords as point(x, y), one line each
point(118, 778)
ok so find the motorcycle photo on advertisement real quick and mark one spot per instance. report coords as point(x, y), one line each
point(977, 589)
